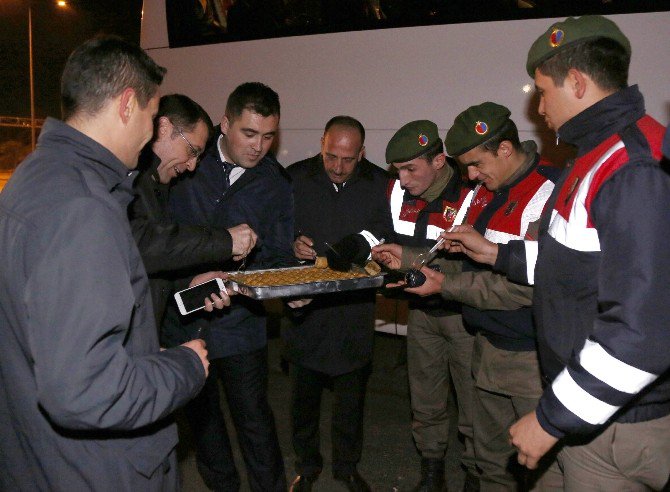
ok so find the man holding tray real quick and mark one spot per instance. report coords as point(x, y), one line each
point(181, 130)
point(329, 343)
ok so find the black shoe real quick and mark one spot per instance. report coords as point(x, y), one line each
point(353, 481)
point(432, 476)
point(303, 483)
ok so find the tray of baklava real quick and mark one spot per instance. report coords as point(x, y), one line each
point(306, 280)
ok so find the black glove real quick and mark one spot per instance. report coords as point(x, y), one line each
point(353, 248)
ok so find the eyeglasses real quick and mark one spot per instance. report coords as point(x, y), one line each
point(191, 150)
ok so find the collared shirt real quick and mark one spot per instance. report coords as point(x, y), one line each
point(237, 170)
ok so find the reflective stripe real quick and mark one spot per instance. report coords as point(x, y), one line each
point(535, 206)
point(574, 235)
point(403, 227)
point(500, 237)
point(579, 402)
point(531, 260)
point(573, 232)
point(433, 232)
point(611, 371)
point(371, 239)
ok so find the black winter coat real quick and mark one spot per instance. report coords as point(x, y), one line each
point(261, 198)
point(334, 333)
point(168, 248)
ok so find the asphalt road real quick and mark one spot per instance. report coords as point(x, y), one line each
point(390, 461)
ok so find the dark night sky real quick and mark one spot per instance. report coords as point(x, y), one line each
point(56, 32)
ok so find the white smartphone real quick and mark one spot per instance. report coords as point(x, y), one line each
point(193, 298)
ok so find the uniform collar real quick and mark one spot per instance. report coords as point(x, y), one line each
point(532, 158)
point(442, 181)
point(603, 119)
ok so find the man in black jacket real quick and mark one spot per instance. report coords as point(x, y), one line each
point(237, 183)
point(181, 130)
point(330, 342)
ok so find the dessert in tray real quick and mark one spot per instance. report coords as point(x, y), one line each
point(291, 276)
point(301, 281)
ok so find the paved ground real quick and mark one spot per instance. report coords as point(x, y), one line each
point(390, 461)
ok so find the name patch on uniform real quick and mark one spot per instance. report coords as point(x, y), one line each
point(449, 214)
point(510, 208)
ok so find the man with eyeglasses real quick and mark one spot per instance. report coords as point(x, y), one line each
point(181, 130)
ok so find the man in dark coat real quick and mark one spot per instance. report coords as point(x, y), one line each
point(238, 183)
point(337, 193)
point(85, 392)
point(181, 131)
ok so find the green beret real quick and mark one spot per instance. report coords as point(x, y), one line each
point(412, 140)
point(474, 126)
point(570, 31)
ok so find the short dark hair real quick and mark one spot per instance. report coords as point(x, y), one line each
point(507, 131)
point(435, 150)
point(103, 67)
point(183, 112)
point(602, 59)
point(348, 122)
point(254, 96)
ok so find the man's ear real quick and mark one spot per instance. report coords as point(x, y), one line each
point(225, 124)
point(127, 104)
point(505, 148)
point(163, 126)
point(361, 153)
point(439, 160)
point(578, 82)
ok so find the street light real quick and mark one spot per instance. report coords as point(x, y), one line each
point(32, 86)
point(62, 4)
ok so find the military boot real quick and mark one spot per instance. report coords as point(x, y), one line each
point(432, 476)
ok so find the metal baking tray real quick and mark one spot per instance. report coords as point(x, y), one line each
point(302, 289)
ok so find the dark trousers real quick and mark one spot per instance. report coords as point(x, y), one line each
point(245, 381)
point(347, 418)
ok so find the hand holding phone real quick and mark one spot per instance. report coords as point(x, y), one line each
point(193, 299)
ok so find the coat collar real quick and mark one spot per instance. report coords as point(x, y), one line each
point(603, 119)
point(93, 158)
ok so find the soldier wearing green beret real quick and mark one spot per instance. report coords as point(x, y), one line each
point(485, 141)
point(600, 270)
point(424, 200)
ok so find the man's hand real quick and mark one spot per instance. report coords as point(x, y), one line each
point(432, 285)
point(388, 255)
point(244, 240)
point(214, 301)
point(531, 440)
point(303, 248)
point(198, 346)
point(464, 239)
